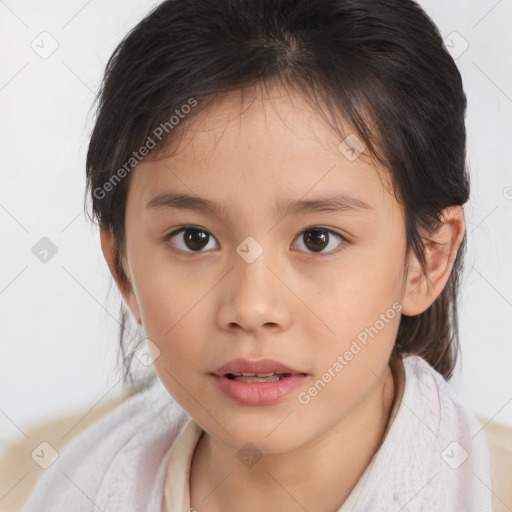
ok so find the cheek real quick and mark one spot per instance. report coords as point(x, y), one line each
point(355, 295)
point(348, 368)
point(362, 312)
point(171, 323)
point(165, 292)
point(172, 311)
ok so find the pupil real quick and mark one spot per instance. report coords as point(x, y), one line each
point(196, 239)
point(319, 239)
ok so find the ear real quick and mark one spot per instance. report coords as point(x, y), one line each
point(123, 282)
point(421, 291)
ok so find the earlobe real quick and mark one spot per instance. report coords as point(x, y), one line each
point(122, 281)
point(420, 290)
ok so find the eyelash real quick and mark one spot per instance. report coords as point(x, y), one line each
point(182, 229)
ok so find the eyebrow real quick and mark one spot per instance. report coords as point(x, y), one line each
point(333, 203)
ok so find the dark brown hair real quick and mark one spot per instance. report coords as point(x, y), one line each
point(378, 64)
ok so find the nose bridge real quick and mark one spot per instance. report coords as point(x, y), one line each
point(253, 298)
point(252, 277)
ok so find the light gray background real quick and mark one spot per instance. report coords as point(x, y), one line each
point(58, 321)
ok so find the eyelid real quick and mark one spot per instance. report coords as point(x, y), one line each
point(174, 232)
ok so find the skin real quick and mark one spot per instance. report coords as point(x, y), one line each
point(291, 304)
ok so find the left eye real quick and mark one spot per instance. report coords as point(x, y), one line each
point(314, 239)
point(318, 238)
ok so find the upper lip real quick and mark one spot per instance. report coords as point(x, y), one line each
point(258, 366)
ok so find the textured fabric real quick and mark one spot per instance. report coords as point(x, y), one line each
point(434, 457)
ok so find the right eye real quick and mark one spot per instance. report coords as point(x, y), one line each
point(195, 238)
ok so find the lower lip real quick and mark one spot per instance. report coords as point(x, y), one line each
point(259, 393)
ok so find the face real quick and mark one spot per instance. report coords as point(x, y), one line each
point(317, 290)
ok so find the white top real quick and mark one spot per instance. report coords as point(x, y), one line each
point(434, 457)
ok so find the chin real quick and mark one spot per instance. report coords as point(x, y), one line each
point(263, 435)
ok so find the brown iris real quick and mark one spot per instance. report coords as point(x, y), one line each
point(196, 239)
point(316, 239)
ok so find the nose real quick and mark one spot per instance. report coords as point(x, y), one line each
point(254, 298)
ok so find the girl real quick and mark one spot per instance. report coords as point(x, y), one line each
point(279, 188)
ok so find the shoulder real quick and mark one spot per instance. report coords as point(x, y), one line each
point(117, 461)
point(435, 455)
point(446, 409)
point(459, 455)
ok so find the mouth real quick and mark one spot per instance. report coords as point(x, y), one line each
point(260, 382)
point(257, 389)
point(261, 370)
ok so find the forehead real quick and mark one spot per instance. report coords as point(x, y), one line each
point(251, 148)
point(280, 118)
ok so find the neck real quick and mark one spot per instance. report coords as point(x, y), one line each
point(328, 466)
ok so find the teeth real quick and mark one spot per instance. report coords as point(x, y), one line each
point(259, 377)
point(262, 375)
point(242, 378)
